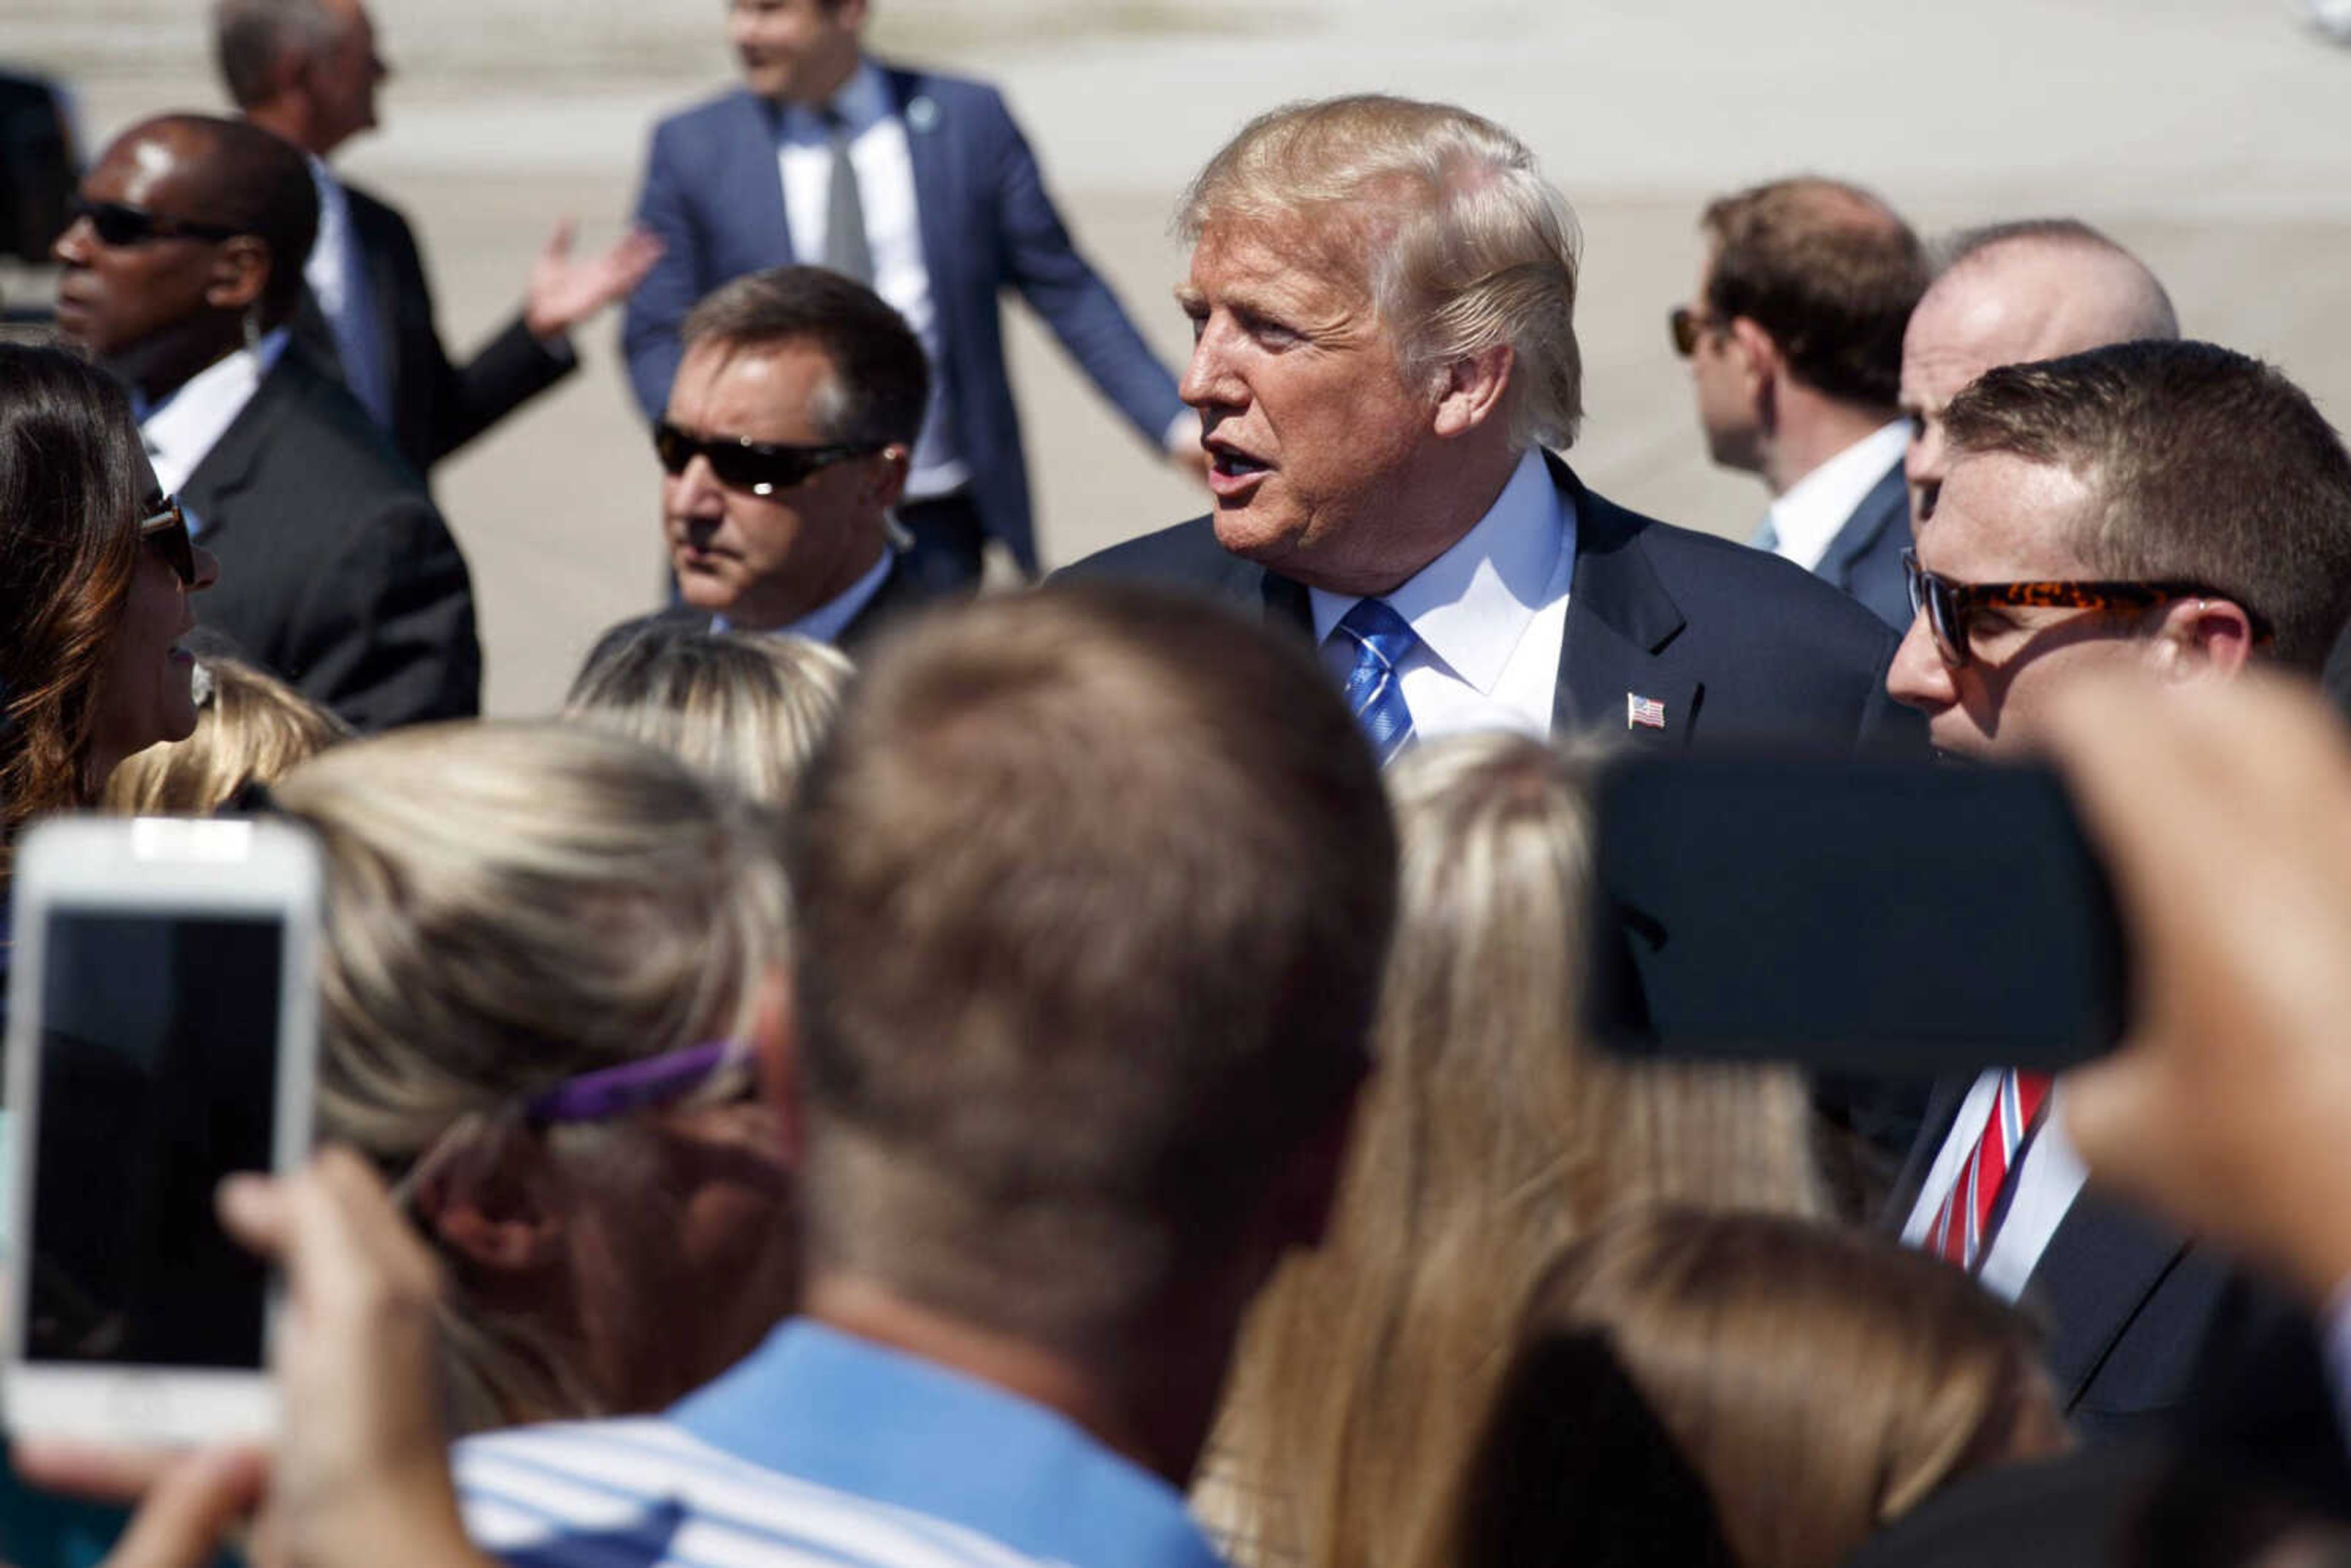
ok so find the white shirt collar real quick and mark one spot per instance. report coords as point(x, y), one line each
point(827, 621)
point(1471, 606)
point(182, 430)
point(1816, 508)
point(862, 102)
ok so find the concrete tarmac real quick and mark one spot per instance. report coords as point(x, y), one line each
point(2209, 135)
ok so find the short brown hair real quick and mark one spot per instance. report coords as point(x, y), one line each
point(1826, 268)
point(2209, 467)
point(881, 380)
point(1823, 1381)
point(1095, 886)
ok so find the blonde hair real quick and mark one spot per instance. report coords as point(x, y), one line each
point(1490, 1135)
point(1821, 1382)
point(251, 728)
point(745, 707)
point(1463, 244)
point(509, 906)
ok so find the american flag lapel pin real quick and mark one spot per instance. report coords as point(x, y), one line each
point(1643, 713)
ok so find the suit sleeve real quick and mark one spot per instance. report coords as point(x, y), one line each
point(649, 325)
point(386, 637)
point(464, 401)
point(1043, 263)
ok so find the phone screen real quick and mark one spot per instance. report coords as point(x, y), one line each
point(158, 1077)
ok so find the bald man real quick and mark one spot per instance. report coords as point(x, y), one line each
point(2008, 295)
point(1794, 344)
point(182, 266)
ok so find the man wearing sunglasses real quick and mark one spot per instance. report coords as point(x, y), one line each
point(336, 572)
point(783, 449)
point(1794, 345)
point(2169, 506)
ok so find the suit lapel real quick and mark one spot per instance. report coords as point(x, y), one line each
point(2098, 1273)
point(1619, 620)
point(927, 150)
point(754, 180)
point(228, 467)
point(1888, 500)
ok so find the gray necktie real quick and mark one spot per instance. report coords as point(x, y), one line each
point(845, 250)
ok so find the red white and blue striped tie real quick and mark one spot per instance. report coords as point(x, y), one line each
point(1962, 1226)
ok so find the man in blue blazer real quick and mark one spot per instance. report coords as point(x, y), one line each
point(1382, 293)
point(1794, 344)
point(921, 187)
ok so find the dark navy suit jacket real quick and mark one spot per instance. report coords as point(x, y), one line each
point(714, 194)
point(1865, 556)
point(1735, 642)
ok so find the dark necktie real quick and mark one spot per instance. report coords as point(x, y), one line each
point(1382, 638)
point(845, 250)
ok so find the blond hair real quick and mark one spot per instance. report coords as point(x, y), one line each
point(509, 906)
point(745, 707)
point(1821, 1382)
point(1491, 1135)
point(251, 728)
point(1462, 243)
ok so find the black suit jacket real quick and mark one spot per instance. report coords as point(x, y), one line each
point(1736, 643)
point(436, 406)
point(2150, 1333)
point(1865, 556)
point(336, 571)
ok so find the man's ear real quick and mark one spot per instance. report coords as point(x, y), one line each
point(488, 1202)
point(776, 1057)
point(889, 470)
point(1473, 390)
point(1761, 362)
point(2202, 640)
point(240, 272)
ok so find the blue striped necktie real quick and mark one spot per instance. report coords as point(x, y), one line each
point(1382, 638)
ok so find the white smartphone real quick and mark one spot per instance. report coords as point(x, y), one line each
point(162, 1032)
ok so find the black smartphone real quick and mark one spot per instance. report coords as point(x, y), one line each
point(1906, 918)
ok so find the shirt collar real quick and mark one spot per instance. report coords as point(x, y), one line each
point(1471, 605)
point(841, 1412)
point(862, 102)
point(183, 427)
point(827, 621)
point(1808, 516)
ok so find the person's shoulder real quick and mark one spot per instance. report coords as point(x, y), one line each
point(597, 1492)
point(336, 434)
point(706, 116)
point(1185, 554)
point(948, 89)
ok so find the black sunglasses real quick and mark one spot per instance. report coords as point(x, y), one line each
point(119, 224)
point(761, 468)
point(1688, 326)
point(166, 529)
point(1947, 604)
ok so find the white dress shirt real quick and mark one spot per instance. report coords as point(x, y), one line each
point(878, 150)
point(1811, 512)
point(337, 274)
point(826, 622)
point(181, 431)
point(1491, 616)
point(2047, 1186)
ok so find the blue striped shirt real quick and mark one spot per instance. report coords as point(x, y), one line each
point(820, 1450)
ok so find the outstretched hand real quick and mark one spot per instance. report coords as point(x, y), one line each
point(2225, 814)
point(563, 292)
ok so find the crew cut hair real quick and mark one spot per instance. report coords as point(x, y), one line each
point(2208, 466)
point(1463, 245)
point(881, 381)
point(249, 37)
point(1826, 268)
point(1095, 886)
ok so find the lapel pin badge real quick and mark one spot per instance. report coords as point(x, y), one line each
point(921, 113)
point(1643, 713)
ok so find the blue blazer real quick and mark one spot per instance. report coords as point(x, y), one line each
point(1865, 556)
point(1739, 645)
point(715, 196)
